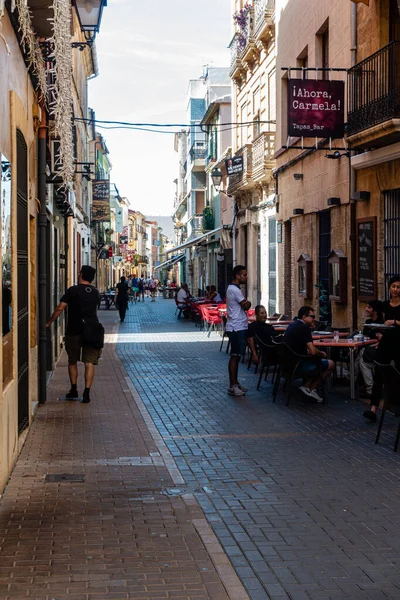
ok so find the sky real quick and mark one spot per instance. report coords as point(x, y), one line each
point(147, 52)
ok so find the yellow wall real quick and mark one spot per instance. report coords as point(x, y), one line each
point(16, 112)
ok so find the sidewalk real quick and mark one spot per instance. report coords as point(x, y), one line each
point(116, 526)
point(190, 493)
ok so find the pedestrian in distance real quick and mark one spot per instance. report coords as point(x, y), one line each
point(122, 298)
point(82, 301)
point(236, 327)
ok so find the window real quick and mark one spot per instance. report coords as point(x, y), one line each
point(256, 125)
point(305, 274)
point(302, 61)
point(337, 269)
point(323, 49)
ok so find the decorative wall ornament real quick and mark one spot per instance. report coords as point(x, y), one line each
point(30, 44)
point(60, 90)
point(1, 35)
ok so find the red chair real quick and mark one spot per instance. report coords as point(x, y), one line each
point(211, 317)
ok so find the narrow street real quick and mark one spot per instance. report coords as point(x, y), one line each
point(172, 489)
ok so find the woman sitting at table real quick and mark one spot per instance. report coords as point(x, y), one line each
point(208, 292)
point(389, 345)
point(260, 330)
point(214, 296)
point(366, 357)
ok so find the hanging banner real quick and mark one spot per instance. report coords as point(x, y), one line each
point(119, 220)
point(101, 200)
point(234, 165)
point(315, 108)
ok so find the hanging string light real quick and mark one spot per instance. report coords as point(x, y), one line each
point(60, 92)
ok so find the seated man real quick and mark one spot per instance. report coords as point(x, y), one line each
point(261, 330)
point(299, 339)
point(182, 299)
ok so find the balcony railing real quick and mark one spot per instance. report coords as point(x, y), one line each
point(263, 16)
point(374, 89)
point(242, 45)
point(263, 149)
point(198, 151)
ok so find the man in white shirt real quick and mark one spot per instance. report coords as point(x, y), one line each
point(182, 299)
point(236, 327)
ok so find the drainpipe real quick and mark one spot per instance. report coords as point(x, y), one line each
point(352, 186)
point(42, 261)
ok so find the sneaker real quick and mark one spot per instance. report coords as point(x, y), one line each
point(305, 390)
point(72, 394)
point(241, 387)
point(85, 398)
point(235, 391)
point(370, 415)
point(314, 394)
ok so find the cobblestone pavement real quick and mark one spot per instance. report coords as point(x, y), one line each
point(112, 527)
point(300, 498)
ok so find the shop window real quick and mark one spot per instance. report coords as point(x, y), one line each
point(305, 269)
point(337, 263)
point(5, 195)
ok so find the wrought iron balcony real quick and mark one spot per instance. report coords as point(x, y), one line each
point(198, 151)
point(374, 89)
point(263, 149)
point(264, 11)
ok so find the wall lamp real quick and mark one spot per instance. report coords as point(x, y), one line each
point(337, 154)
point(89, 15)
point(298, 176)
point(333, 201)
point(298, 211)
point(216, 177)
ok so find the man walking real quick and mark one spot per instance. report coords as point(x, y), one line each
point(122, 298)
point(236, 327)
point(82, 301)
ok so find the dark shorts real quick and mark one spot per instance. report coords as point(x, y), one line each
point(78, 352)
point(307, 367)
point(238, 340)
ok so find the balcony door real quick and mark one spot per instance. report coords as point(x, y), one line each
point(394, 21)
point(22, 282)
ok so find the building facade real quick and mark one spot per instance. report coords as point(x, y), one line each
point(312, 185)
point(253, 74)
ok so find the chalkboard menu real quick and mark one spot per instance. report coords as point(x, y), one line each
point(366, 258)
point(101, 200)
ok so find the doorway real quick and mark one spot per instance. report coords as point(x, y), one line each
point(22, 283)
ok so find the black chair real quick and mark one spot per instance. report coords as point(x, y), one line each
point(289, 363)
point(284, 318)
point(269, 358)
point(391, 403)
point(224, 335)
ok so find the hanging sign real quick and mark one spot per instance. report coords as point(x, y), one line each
point(234, 165)
point(119, 219)
point(366, 258)
point(101, 200)
point(123, 239)
point(315, 108)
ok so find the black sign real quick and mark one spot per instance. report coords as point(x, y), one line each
point(315, 108)
point(101, 200)
point(103, 255)
point(234, 165)
point(366, 258)
point(123, 239)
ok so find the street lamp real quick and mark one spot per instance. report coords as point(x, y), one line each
point(216, 177)
point(89, 14)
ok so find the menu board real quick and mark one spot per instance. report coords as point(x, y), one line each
point(101, 200)
point(366, 258)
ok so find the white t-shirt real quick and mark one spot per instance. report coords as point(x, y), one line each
point(181, 296)
point(235, 315)
point(217, 298)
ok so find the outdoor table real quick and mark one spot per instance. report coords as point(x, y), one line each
point(352, 346)
point(327, 334)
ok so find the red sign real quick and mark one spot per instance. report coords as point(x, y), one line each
point(110, 252)
point(315, 108)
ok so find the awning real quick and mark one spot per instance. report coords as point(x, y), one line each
point(170, 262)
point(195, 240)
